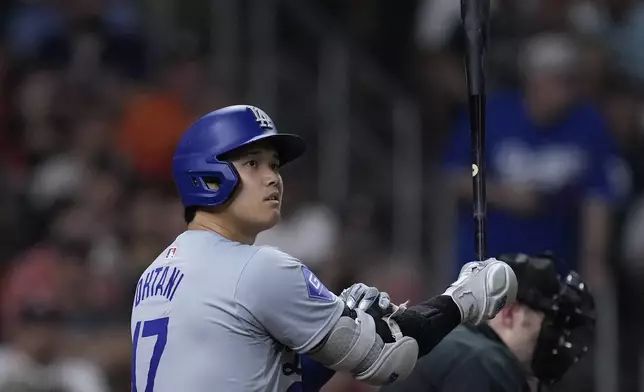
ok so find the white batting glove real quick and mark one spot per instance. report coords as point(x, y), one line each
point(482, 289)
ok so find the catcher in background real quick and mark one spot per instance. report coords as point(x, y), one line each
point(530, 344)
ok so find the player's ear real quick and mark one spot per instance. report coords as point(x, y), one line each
point(508, 316)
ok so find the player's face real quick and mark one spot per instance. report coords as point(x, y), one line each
point(258, 200)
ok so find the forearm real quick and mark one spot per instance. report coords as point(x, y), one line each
point(429, 322)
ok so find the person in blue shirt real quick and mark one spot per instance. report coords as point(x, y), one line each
point(553, 171)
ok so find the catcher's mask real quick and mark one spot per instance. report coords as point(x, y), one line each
point(566, 333)
point(568, 326)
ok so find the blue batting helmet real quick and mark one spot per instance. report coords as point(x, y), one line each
point(197, 157)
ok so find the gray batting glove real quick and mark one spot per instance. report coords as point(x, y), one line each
point(363, 297)
point(482, 289)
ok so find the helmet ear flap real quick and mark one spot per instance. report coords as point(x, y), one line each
point(212, 183)
point(222, 184)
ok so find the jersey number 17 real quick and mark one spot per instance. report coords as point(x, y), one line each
point(159, 328)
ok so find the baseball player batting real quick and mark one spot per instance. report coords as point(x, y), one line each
point(215, 313)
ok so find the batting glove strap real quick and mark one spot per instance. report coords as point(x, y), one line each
point(393, 325)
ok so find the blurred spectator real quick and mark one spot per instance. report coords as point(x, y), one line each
point(62, 175)
point(154, 120)
point(441, 45)
point(31, 362)
point(360, 245)
point(32, 276)
point(84, 34)
point(31, 24)
point(57, 273)
point(439, 32)
point(310, 234)
point(361, 240)
point(35, 102)
point(619, 26)
point(553, 169)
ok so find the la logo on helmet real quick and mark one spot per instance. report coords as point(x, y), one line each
point(262, 118)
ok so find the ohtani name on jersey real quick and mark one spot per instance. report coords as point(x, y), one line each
point(158, 282)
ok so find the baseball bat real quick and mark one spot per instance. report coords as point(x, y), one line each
point(474, 17)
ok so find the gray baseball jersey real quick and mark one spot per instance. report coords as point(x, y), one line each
point(210, 314)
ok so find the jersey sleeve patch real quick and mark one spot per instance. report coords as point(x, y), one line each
point(316, 289)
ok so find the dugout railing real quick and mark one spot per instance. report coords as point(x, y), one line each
point(289, 59)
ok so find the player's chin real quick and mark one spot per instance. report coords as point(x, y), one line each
point(270, 218)
point(275, 217)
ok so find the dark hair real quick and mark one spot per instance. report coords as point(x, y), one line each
point(189, 213)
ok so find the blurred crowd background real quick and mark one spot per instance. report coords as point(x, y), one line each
point(95, 93)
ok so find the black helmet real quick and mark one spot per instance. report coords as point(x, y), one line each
point(537, 278)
